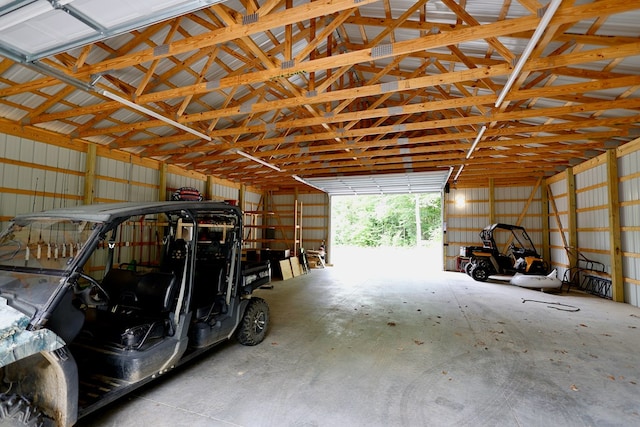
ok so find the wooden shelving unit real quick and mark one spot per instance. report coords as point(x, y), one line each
point(274, 231)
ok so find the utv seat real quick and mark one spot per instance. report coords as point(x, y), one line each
point(209, 286)
point(139, 308)
point(175, 258)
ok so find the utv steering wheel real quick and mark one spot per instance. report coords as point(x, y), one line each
point(94, 294)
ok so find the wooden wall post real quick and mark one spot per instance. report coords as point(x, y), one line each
point(208, 191)
point(617, 278)
point(544, 212)
point(242, 196)
point(90, 174)
point(162, 182)
point(572, 225)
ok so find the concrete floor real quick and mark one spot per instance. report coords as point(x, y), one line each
point(374, 342)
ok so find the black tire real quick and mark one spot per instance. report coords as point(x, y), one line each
point(479, 273)
point(467, 268)
point(255, 322)
point(16, 410)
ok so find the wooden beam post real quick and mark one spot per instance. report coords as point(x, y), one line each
point(444, 213)
point(572, 225)
point(617, 278)
point(544, 213)
point(241, 196)
point(328, 242)
point(208, 191)
point(162, 182)
point(90, 174)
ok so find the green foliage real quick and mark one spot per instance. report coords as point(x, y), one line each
point(388, 220)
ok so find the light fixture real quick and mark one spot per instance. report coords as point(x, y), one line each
point(24, 13)
point(95, 79)
point(257, 160)
point(152, 113)
point(537, 34)
point(455, 178)
point(446, 180)
point(475, 142)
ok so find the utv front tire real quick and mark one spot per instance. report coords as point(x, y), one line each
point(467, 268)
point(16, 410)
point(255, 322)
point(479, 273)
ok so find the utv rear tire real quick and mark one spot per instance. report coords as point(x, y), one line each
point(479, 273)
point(16, 410)
point(255, 322)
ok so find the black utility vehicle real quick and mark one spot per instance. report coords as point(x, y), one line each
point(97, 300)
point(522, 256)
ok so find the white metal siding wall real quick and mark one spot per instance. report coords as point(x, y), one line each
point(511, 205)
point(283, 220)
point(592, 214)
point(253, 201)
point(224, 192)
point(145, 185)
point(119, 181)
point(629, 173)
point(56, 177)
point(37, 176)
point(315, 219)
point(467, 214)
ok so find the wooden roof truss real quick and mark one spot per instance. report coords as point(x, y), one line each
point(348, 87)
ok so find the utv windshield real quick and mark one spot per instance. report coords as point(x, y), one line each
point(523, 239)
point(35, 256)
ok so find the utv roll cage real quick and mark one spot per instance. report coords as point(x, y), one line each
point(524, 246)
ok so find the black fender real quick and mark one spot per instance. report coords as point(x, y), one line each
point(49, 379)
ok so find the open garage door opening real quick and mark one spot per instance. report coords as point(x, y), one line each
point(385, 227)
point(398, 213)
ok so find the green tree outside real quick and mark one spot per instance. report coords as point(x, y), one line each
point(386, 220)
